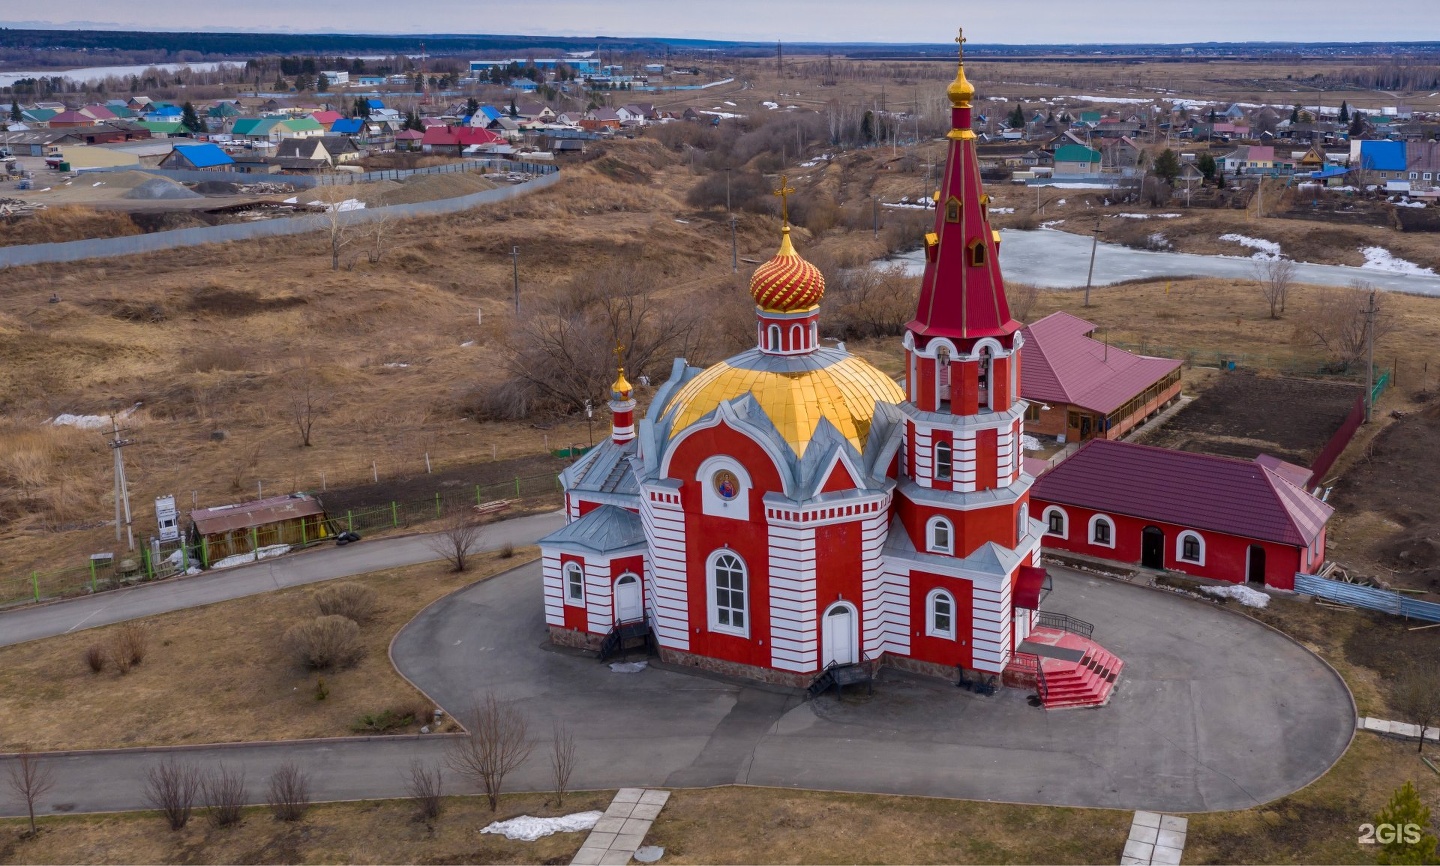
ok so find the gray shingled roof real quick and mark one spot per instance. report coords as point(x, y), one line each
point(607, 528)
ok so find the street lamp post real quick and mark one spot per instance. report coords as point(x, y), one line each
point(590, 421)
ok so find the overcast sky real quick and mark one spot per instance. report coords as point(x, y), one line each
point(931, 21)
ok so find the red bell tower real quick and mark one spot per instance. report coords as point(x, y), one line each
point(965, 497)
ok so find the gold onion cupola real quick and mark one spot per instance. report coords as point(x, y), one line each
point(787, 292)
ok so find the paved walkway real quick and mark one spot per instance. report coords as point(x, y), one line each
point(617, 836)
point(1400, 730)
point(320, 563)
point(1155, 839)
point(1195, 676)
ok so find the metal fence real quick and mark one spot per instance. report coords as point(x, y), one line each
point(156, 561)
point(73, 251)
point(1368, 597)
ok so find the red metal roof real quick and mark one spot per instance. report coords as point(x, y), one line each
point(459, 136)
point(1028, 584)
point(325, 118)
point(1064, 365)
point(276, 509)
point(1197, 491)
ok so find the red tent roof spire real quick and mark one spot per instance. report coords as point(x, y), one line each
point(962, 294)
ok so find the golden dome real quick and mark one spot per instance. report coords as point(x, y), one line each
point(960, 91)
point(795, 392)
point(787, 283)
point(622, 385)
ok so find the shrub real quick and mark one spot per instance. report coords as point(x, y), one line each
point(289, 792)
point(95, 658)
point(325, 642)
point(426, 789)
point(171, 788)
point(507, 550)
point(384, 721)
point(131, 641)
point(225, 795)
point(350, 600)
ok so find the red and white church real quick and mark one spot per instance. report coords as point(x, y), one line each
point(794, 509)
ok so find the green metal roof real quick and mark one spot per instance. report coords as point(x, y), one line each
point(1076, 153)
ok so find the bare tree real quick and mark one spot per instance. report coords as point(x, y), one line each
point(224, 795)
point(289, 792)
point(457, 540)
point(30, 779)
point(1337, 321)
point(1417, 698)
point(1275, 277)
point(377, 234)
point(171, 787)
point(425, 787)
point(1022, 298)
point(496, 745)
point(337, 221)
point(305, 399)
point(562, 759)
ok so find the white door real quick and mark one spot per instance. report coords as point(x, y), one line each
point(839, 637)
point(627, 599)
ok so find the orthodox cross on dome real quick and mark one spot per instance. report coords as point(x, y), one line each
point(620, 355)
point(784, 192)
point(960, 40)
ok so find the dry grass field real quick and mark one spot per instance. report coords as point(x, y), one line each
point(221, 673)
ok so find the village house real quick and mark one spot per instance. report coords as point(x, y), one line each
point(1080, 388)
point(454, 139)
point(312, 154)
point(227, 530)
point(1076, 160)
point(1217, 517)
point(198, 157)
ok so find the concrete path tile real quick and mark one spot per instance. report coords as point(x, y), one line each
point(1174, 823)
point(1147, 819)
point(1166, 856)
point(616, 858)
point(1170, 839)
point(628, 842)
point(620, 810)
point(1139, 850)
point(1133, 861)
point(648, 811)
point(609, 825)
point(655, 798)
point(588, 857)
point(1140, 833)
point(629, 795)
point(601, 840)
point(636, 825)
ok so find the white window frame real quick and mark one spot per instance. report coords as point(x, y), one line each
point(1180, 547)
point(1090, 535)
point(572, 567)
point(1022, 518)
point(710, 502)
point(930, 526)
point(711, 588)
point(773, 333)
point(797, 337)
point(948, 461)
point(1064, 522)
point(931, 630)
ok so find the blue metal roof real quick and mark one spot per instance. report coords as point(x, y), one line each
point(490, 112)
point(375, 103)
point(204, 155)
point(1330, 171)
point(1382, 155)
point(346, 126)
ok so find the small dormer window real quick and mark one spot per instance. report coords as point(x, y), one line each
point(977, 253)
point(952, 210)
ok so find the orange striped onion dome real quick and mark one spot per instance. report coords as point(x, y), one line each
point(787, 283)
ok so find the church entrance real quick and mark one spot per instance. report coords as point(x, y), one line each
point(838, 640)
point(1255, 569)
point(628, 607)
point(1152, 547)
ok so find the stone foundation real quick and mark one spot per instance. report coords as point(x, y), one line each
point(561, 636)
point(925, 669)
point(683, 659)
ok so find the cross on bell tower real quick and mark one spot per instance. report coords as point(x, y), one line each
point(784, 192)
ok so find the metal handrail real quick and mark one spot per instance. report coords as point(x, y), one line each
point(1065, 622)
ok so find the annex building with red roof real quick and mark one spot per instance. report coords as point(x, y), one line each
point(1224, 518)
point(1080, 388)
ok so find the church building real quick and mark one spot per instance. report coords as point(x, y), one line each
point(792, 510)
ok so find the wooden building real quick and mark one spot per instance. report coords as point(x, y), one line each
point(227, 530)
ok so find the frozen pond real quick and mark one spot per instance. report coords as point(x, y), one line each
point(1054, 259)
point(95, 73)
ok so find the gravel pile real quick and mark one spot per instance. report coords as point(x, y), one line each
point(161, 188)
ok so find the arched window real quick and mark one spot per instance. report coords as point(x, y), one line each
point(796, 337)
point(942, 378)
point(574, 584)
point(1101, 531)
point(944, 460)
point(728, 604)
point(1055, 522)
point(986, 361)
point(1190, 547)
point(774, 338)
point(939, 536)
point(1021, 519)
point(940, 614)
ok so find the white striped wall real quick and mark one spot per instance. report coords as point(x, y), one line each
point(553, 578)
point(665, 530)
point(794, 643)
point(1005, 450)
point(990, 626)
point(963, 476)
point(924, 456)
point(599, 589)
point(886, 593)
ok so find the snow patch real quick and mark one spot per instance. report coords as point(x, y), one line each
point(1243, 594)
point(771, 105)
point(1146, 216)
point(346, 205)
point(1117, 100)
point(1050, 224)
point(1266, 250)
point(1029, 443)
point(89, 422)
point(1060, 203)
point(253, 556)
point(1002, 210)
point(1158, 241)
point(628, 667)
point(1380, 259)
point(729, 103)
point(906, 205)
point(723, 115)
point(294, 199)
point(396, 365)
point(529, 829)
point(1078, 185)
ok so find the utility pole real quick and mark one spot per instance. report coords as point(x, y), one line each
point(1091, 273)
point(734, 248)
point(875, 215)
point(1370, 357)
point(122, 489)
point(515, 267)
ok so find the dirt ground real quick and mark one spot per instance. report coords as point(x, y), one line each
point(1392, 482)
point(1244, 414)
point(220, 673)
